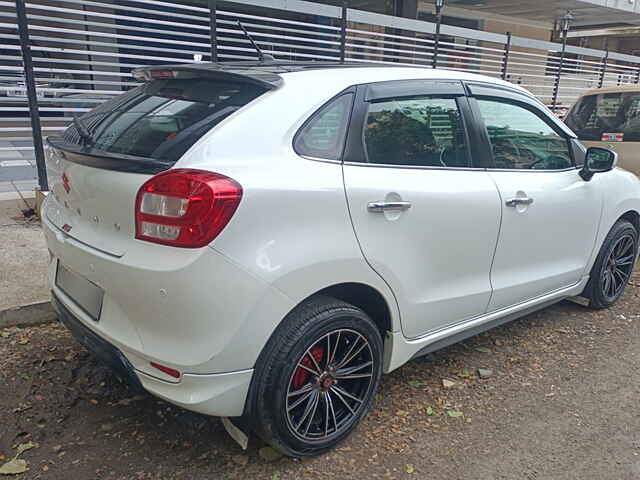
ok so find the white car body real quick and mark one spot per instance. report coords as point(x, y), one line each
point(458, 261)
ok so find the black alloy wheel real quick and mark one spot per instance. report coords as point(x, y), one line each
point(316, 377)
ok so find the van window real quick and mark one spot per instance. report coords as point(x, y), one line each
point(607, 117)
point(161, 119)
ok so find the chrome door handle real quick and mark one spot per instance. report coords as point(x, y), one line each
point(512, 202)
point(385, 206)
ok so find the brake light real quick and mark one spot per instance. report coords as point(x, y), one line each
point(185, 208)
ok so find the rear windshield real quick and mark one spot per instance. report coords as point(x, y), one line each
point(607, 117)
point(161, 119)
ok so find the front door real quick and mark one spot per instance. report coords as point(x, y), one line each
point(550, 215)
point(427, 222)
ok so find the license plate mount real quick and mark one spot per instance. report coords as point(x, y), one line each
point(86, 294)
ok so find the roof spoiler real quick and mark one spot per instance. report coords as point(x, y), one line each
point(216, 71)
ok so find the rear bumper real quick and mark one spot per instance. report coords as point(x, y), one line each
point(221, 395)
point(193, 310)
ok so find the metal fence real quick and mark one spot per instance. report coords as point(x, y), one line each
point(83, 52)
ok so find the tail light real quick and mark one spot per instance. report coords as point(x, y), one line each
point(185, 208)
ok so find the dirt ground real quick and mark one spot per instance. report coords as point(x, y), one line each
point(560, 402)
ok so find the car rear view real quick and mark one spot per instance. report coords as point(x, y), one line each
point(131, 274)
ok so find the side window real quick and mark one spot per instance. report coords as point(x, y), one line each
point(422, 131)
point(324, 134)
point(521, 139)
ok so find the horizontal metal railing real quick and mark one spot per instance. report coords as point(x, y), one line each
point(83, 52)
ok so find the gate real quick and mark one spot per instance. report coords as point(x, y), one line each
point(63, 57)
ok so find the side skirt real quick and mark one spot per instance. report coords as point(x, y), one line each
point(399, 349)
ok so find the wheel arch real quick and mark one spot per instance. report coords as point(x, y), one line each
point(366, 298)
point(632, 216)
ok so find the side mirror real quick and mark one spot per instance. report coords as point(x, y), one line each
point(598, 160)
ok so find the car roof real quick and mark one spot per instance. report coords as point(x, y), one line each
point(620, 89)
point(270, 72)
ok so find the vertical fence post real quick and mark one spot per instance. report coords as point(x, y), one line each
point(603, 70)
point(436, 45)
point(27, 63)
point(566, 20)
point(213, 26)
point(343, 32)
point(505, 58)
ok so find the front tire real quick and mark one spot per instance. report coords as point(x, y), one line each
point(614, 264)
point(317, 377)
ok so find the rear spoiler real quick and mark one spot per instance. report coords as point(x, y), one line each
point(229, 73)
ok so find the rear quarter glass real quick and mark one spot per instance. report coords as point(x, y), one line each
point(161, 119)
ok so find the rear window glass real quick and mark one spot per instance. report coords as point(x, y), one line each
point(161, 119)
point(323, 136)
point(607, 117)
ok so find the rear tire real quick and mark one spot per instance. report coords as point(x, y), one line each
point(317, 377)
point(613, 267)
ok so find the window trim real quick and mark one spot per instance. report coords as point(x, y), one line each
point(530, 106)
point(355, 146)
point(348, 91)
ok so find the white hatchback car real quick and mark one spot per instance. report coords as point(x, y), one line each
point(263, 240)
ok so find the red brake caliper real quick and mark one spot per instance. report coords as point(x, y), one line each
point(301, 376)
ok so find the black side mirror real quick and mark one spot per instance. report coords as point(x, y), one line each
point(598, 160)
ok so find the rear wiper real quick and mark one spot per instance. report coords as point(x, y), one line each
point(261, 56)
point(83, 131)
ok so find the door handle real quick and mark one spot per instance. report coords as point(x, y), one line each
point(512, 202)
point(386, 206)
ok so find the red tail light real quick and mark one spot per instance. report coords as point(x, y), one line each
point(185, 208)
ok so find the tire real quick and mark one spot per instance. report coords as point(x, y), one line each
point(614, 264)
point(290, 362)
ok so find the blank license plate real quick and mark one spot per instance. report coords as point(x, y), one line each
point(85, 293)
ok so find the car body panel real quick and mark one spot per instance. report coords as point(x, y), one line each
point(438, 275)
point(544, 246)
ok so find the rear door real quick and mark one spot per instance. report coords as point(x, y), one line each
point(426, 216)
point(550, 215)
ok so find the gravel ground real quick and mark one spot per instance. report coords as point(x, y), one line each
point(559, 402)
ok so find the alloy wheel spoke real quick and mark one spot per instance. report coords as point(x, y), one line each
point(333, 389)
point(335, 349)
point(315, 362)
point(307, 409)
point(325, 397)
point(307, 388)
point(316, 400)
point(299, 401)
point(347, 371)
point(628, 260)
point(311, 371)
point(352, 354)
point(333, 410)
point(346, 355)
point(347, 394)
